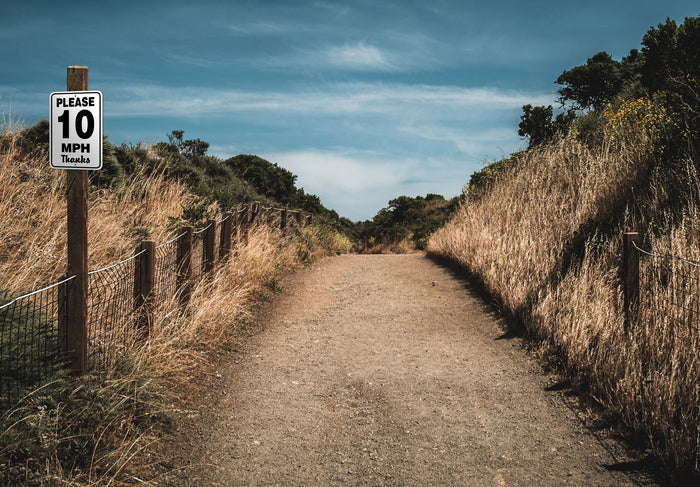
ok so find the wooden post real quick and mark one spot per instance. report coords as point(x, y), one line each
point(299, 219)
point(225, 238)
point(245, 216)
point(209, 246)
point(76, 299)
point(143, 285)
point(630, 268)
point(311, 219)
point(184, 266)
point(253, 213)
point(283, 223)
point(235, 230)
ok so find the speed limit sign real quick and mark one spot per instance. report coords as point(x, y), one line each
point(76, 130)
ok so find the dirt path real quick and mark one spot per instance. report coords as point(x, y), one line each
point(386, 370)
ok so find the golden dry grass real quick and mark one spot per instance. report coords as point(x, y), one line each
point(33, 218)
point(545, 240)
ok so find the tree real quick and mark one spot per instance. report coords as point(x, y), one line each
point(191, 147)
point(658, 48)
point(592, 85)
point(537, 124)
point(672, 65)
point(268, 179)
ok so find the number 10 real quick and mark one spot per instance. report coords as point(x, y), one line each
point(84, 117)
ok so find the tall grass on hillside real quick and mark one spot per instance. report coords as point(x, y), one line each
point(520, 236)
point(545, 240)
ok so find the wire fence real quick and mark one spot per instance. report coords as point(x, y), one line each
point(34, 327)
point(112, 312)
point(32, 338)
point(669, 294)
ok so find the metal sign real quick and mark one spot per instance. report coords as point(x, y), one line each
point(75, 126)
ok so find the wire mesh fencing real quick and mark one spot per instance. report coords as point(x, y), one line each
point(32, 338)
point(669, 300)
point(112, 312)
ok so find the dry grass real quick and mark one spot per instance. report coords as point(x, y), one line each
point(99, 430)
point(545, 240)
point(33, 218)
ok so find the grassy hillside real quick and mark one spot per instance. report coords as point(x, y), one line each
point(104, 428)
point(542, 231)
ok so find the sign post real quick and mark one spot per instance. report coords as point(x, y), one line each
point(76, 145)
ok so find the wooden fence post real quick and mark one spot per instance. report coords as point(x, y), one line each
point(283, 222)
point(144, 280)
point(77, 241)
point(209, 246)
point(225, 238)
point(235, 230)
point(630, 271)
point(184, 266)
point(253, 214)
point(300, 223)
point(245, 218)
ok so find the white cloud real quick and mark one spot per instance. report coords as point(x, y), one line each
point(341, 170)
point(358, 183)
point(358, 56)
point(468, 139)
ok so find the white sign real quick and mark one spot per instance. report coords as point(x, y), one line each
point(75, 126)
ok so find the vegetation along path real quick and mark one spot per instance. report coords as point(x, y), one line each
point(386, 370)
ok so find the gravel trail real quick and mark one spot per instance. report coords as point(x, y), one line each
point(386, 370)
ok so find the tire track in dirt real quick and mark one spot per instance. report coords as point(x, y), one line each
point(386, 370)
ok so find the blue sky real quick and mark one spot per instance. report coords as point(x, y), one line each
point(362, 100)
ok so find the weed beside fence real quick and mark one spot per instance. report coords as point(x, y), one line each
point(125, 300)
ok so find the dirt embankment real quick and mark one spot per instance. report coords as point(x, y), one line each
point(386, 370)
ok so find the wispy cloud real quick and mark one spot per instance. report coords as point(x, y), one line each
point(334, 99)
point(472, 123)
point(360, 56)
point(357, 56)
point(266, 28)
